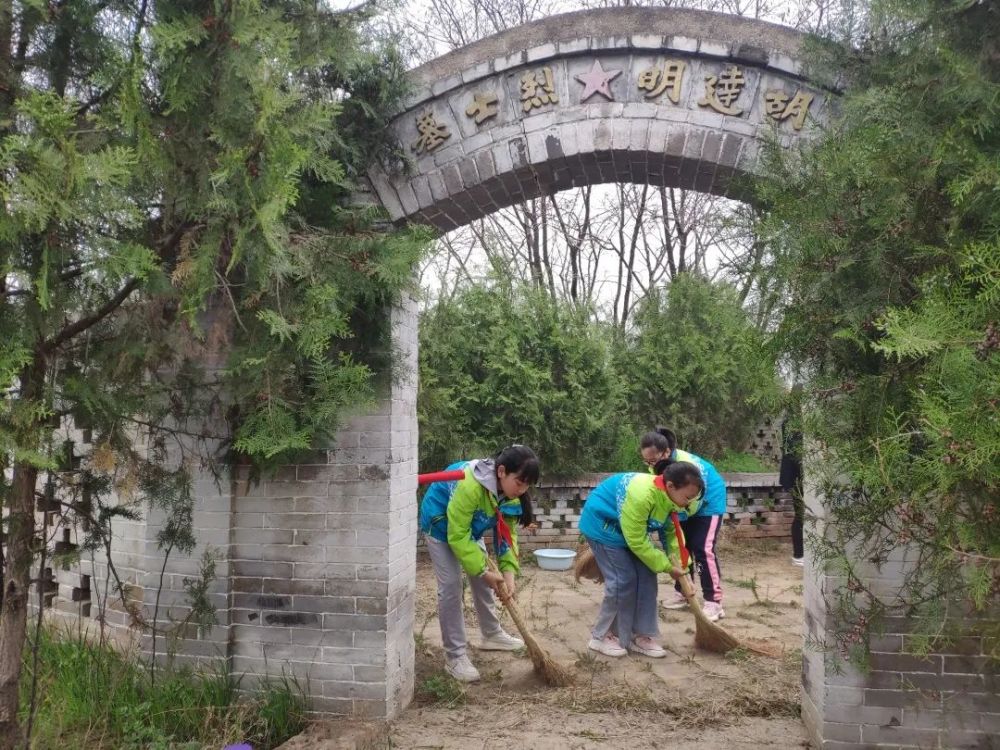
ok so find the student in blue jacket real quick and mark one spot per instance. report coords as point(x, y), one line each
point(492, 499)
point(701, 529)
point(617, 519)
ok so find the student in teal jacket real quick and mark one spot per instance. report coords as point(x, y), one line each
point(492, 498)
point(701, 527)
point(617, 518)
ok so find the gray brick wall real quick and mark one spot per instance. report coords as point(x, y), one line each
point(315, 574)
point(766, 441)
point(948, 698)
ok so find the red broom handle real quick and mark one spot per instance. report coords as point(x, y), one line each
point(440, 476)
point(680, 540)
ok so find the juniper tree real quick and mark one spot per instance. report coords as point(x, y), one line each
point(888, 239)
point(175, 244)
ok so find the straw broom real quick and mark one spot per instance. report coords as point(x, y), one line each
point(707, 634)
point(550, 670)
point(585, 565)
point(545, 666)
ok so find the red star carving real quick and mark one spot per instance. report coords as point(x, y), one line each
point(597, 81)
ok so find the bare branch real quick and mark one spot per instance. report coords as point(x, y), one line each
point(83, 324)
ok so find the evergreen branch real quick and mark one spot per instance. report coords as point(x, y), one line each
point(96, 99)
point(106, 93)
point(174, 430)
point(84, 323)
point(229, 294)
point(962, 554)
point(25, 291)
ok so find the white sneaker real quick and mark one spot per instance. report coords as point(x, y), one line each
point(800, 561)
point(713, 611)
point(609, 646)
point(674, 600)
point(461, 669)
point(501, 641)
point(646, 646)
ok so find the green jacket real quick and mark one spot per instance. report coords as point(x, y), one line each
point(472, 511)
point(622, 511)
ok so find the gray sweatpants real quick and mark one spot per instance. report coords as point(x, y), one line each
point(629, 605)
point(448, 572)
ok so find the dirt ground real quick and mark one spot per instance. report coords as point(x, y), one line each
point(690, 699)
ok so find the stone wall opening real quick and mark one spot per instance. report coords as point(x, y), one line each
point(318, 563)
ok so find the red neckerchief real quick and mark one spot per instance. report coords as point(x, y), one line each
point(659, 484)
point(503, 530)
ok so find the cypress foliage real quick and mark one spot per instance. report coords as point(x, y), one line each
point(887, 237)
point(179, 271)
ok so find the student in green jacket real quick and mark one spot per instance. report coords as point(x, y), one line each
point(617, 519)
point(492, 498)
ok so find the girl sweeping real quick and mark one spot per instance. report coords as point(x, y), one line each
point(454, 516)
point(701, 528)
point(617, 519)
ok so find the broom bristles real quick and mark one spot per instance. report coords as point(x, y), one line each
point(585, 565)
point(708, 635)
point(550, 671)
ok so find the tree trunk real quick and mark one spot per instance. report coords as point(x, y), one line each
point(20, 532)
point(630, 275)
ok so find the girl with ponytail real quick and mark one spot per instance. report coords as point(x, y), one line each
point(701, 525)
point(617, 518)
point(491, 498)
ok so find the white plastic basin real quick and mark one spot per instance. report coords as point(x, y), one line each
point(555, 559)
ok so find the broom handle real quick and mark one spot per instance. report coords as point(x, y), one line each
point(508, 601)
point(686, 587)
point(440, 476)
point(680, 539)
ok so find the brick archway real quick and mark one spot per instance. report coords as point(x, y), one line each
point(660, 95)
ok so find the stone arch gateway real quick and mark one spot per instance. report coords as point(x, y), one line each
point(317, 564)
point(663, 96)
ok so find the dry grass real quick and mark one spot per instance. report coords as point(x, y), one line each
point(764, 688)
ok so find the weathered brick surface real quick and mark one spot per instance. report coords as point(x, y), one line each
point(514, 155)
point(947, 698)
point(315, 565)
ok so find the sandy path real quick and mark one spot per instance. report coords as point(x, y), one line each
point(690, 699)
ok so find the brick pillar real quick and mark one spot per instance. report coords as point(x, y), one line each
point(949, 698)
point(189, 645)
point(324, 568)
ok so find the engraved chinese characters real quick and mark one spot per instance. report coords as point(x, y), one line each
point(483, 107)
point(728, 89)
point(779, 106)
point(432, 133)
point(537, 89)
point(722, 91)
point(657, 80)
